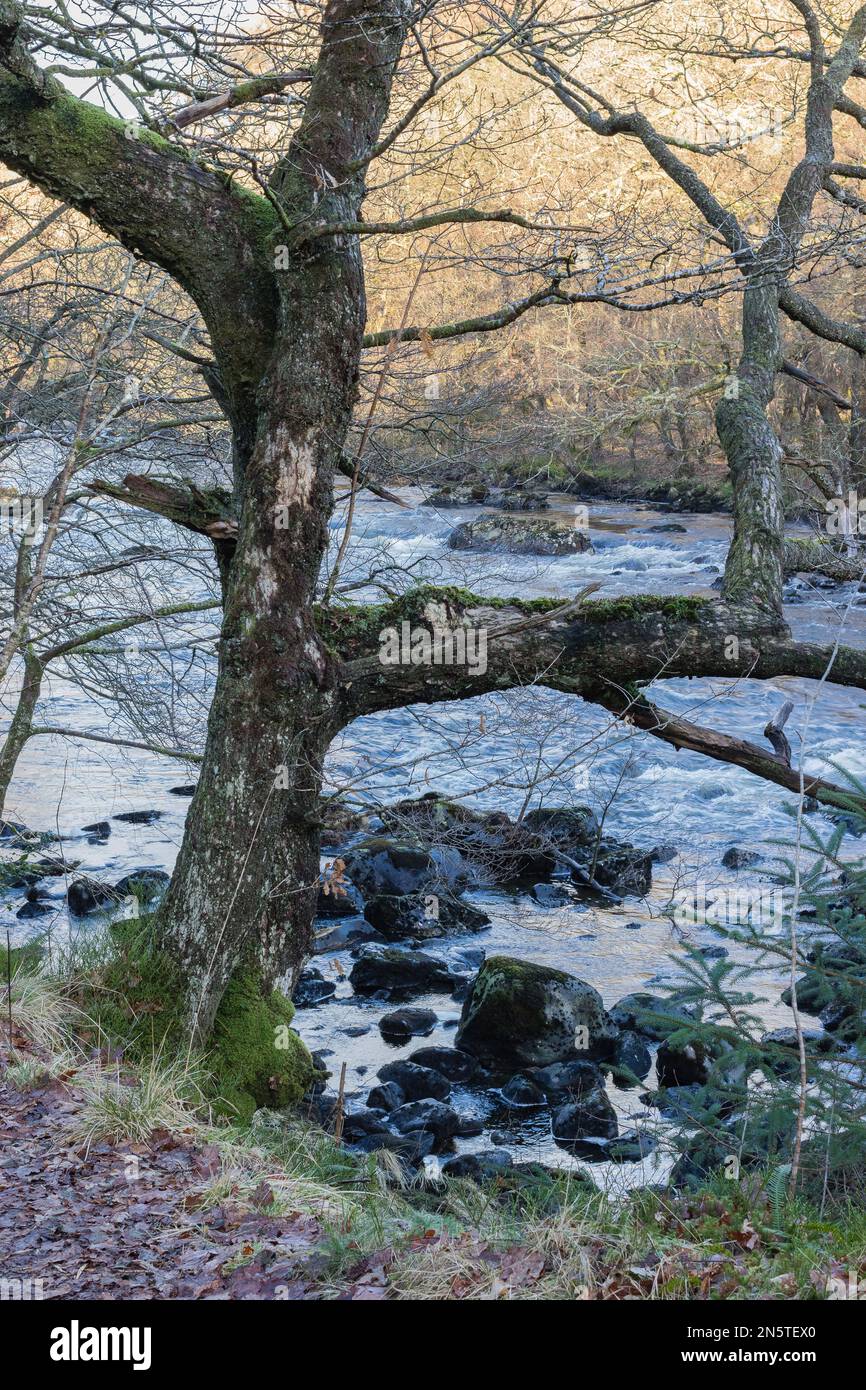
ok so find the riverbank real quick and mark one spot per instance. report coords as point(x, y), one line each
point(92, 1207)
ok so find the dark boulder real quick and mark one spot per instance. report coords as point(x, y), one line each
point(478, 1167)
point(521, 1091)
point(333, 906)
point(564, 1081)
point(416, 1083)
point(428, 1116)
point(140, 817)
point(448, 1061)
point(531, 1015)
point(186, 789)
point(398, 972)
point(653, 1016)
point(518, 535)
point(87, 895)
point(393, 867)
point(312, 988)
point(403, 1024)
point(682, 1064)
point(632, 1059)
point(591, 1117)
point(144, 884)
point(736, 858)
point(389, 1096)
point(97, 831)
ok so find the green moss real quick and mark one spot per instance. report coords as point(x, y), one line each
point(136, 998)
point(681, 607)
point(257, 1060)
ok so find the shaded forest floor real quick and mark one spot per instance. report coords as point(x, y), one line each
point(279, 1211)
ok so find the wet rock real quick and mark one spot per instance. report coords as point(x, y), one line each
point(398, 972)
point(531, 1015)
point(736, 858)
point(333, 906)
point(627, 871)
point(569, 828)
point(563, 1081)
point(186, 789)
point(671, 526)
point(403, 1024)
point(431, 1117)
point(387, 866)
point(519, 501)
point(553, 894)
point(652, 1015)
point(97, 831)
point(631, 1147)
point(144, 884)
point(389, 1096)
point(448, 1061)
point(518, 535)
point(312, 988)
point(422, 916)
point(479, 1167)
point(663, 854)
point(458, 495)
point(631, 1055)
point(361, 1123)
point(87, 895)
point(592, 1116)
point(35, 906)
point(416, 1083)
point(683, 1065)
point(521, 1091)
point(140, 817)
point(713, 952)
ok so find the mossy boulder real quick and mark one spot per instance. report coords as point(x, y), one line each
point(530, 1015)
point(519, 535)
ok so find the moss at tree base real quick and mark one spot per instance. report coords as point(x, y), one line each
point(256, 1059)
point(137, 996)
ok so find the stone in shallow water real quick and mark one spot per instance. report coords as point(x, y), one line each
point(139, 817)
point(417, 1083)
point(407, 1023)
point(397, 972)
point(530, 1015)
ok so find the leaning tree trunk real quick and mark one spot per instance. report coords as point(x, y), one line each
point(21, 724)
point(244, 889)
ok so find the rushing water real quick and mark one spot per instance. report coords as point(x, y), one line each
point(489, 749)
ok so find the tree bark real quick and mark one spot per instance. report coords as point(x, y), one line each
point(21, 725)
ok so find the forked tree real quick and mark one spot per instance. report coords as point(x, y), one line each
point(278, 277)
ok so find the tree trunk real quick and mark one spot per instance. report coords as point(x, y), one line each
point(753, 572)
point(22, 722)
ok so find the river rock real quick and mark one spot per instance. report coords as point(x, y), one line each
point(651, 1015)
point(530, 1015)
point(387, 1097)
point(592, 1116)
point(736, 858)
point(87, 895)
point(334, 906)
point(429, 1116)
point(416, 1083)
point(521, 1091)
point(685, 1064)
point(448, 1061)
point(631, 1054)
point(98, 831)
point(186, 789)
point(312, 988)
point(458, 495)
point(403, 1024)
point(144, 884)
point(518, 535)
point(562, 1082)
point(140, 817)
point(399, 972)
point(388, 866)
point(422, 916)
point(479, 1167)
